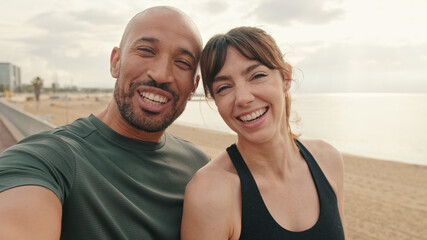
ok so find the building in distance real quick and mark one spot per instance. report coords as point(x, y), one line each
point(10, 77)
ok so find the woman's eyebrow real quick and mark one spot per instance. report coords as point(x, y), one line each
point(250, 68)
point(244, 72)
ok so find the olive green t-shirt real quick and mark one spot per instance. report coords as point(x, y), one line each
point(110, 186)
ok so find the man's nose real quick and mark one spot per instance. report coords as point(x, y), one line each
point(161, 71)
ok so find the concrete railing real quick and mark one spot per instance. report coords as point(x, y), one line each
point(25, 123)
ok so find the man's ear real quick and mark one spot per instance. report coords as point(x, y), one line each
point(196, 84)
point(115, 62)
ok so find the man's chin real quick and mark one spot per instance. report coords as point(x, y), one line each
point(150, 122)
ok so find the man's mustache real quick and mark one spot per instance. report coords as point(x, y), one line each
point(151, 83)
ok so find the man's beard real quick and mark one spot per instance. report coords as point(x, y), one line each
point(141, 119)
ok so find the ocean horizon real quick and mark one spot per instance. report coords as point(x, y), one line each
point(388, 126)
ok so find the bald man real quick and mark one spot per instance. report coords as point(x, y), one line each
point(117, 175)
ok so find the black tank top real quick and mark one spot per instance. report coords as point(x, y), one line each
point(258, 224)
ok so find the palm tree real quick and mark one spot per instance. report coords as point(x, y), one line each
point(38, 84)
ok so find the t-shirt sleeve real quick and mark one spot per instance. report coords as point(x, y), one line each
point(40, 160)
point(199, 158)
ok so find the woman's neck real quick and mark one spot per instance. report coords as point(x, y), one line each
point(274, 157)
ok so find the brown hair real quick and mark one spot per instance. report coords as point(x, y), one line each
point(253, 43)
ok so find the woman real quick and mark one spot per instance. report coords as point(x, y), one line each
point(270, 184)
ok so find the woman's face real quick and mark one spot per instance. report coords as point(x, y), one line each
point(250, 98)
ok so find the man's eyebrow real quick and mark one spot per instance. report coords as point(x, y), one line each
point(146, 39)
point(188, 53)
point(155, 40)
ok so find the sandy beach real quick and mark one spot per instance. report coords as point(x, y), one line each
point(382, 199)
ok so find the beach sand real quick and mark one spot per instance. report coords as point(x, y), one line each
point(382, 199)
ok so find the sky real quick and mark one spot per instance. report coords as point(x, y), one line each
point(335, 46)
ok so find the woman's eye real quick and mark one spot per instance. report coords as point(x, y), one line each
point(220, 89)
point(259, 75)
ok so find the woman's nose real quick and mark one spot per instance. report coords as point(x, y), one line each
point(243, 95)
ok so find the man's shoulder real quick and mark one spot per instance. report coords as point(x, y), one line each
point(53, 141)
point(40, 142)
point(183, 144)
point(81, 127)
point(176, 138)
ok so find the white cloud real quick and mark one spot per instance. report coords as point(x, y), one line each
point(302, 11)
point(72, 43)
point(214, 7)
point(364, 68)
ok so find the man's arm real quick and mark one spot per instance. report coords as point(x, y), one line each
point(30, 212)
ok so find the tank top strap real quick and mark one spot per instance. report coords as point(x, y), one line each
point(237, 160)
point(253, 206)
point(322, 184)
point(247, 181)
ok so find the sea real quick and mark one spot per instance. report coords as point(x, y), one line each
point(387, 126)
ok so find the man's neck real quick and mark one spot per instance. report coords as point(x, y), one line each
point(112, 118)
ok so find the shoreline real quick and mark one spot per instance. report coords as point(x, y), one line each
point(382, 199)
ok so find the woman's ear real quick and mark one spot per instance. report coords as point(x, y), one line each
point(115, 62)
point(196, 84)
point(287, 76)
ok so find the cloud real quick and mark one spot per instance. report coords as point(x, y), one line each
point(214, 7)
point(56, 23)
point(99, 18)
point(75, 44)
point(65, 34)
point(369, 67)
point(303, 11)
point(75, 21)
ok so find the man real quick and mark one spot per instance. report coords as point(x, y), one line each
point(118, 175)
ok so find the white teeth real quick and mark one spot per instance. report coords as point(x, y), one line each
point(253, 116)
point(154, 98)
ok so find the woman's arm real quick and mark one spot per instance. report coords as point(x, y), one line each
point(334, 170)
point(208, 207)
point(331, 162)
point(339, 171)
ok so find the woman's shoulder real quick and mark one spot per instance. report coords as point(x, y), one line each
point(212, 201)
point(216, 177)
point(329, 159)
point(322, 151)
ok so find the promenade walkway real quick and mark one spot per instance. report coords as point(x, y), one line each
point(6, 137)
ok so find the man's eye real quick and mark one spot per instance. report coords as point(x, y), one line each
point(184, 65)
point(146, 50)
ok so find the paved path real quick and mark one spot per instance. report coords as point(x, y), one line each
point(6, 138)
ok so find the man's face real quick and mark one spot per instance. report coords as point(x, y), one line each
point(155, 70)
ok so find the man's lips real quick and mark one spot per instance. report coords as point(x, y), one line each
point(152, 97)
